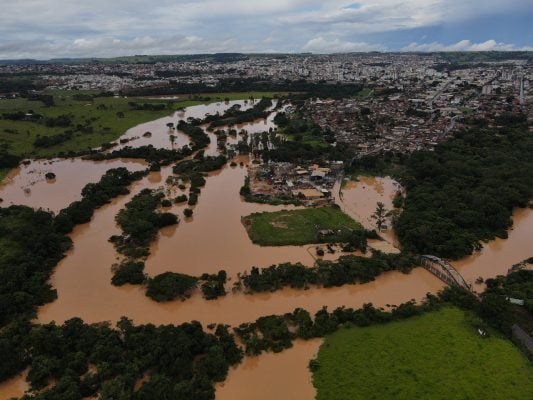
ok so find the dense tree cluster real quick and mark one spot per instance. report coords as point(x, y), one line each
point(200, 163)
point(234, 115)
point(213, 285)
point(465, 191)
point(32, 242)
point(148, 153)
point(30, 247)
point(346, 270)
point(170, 285)
point(198, 137)
point(8, 160)
point(128, 271)
point(306, 89)
point(277, 332)
point(52, 140)
point(140, 223)
point(498, 311)
point(148, 106)
point(113, 183)
point(181, 362)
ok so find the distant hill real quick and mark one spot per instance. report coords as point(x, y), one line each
point(451, 57)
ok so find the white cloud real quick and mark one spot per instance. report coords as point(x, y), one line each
point(109, 47)
point(61, 28)
point(464, 45)
point(322, 45)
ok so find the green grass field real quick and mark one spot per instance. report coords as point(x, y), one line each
point(298, 227)
point(438, 355)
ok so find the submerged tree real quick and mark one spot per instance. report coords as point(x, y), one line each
point(380, 215)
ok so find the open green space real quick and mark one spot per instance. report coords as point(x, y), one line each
point(298, 227)
point(438, 355)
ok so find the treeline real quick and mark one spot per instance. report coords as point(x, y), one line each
point(148, 153)
point(518, 285)
point(32, 242)
point(277, 332)
point(140, 224)
point(31, 246)
point(465, 191)
point(148, 106)
point(346, 270)
point(130, 362)
point(304, 88)
point(234, 115)
point(198, 137)
point(113, 183)
point(8, 160)
point(53, 140)
point(200, 163)
point(60, 121)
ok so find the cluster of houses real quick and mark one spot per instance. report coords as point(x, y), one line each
point(311, 185)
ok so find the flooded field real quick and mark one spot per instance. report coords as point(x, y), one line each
point(27, 185)
point(158, 134)
point(215, 239)
point(359, 199)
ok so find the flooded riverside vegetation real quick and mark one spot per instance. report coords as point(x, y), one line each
point(214, 239)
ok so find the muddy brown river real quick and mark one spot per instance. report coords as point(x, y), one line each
point(215, 239)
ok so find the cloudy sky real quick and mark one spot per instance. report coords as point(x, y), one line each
point(101, 28)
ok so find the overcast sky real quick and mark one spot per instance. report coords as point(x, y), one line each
point(101, 28)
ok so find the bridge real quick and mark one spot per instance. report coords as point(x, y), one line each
point(443, 270)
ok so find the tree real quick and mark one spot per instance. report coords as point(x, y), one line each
point(380, 215)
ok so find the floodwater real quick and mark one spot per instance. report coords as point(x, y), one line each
point(359, 199)
point(266, 378)
point(215, 239)
point(83, 277)
point(161, 135)
point(217, 223)
point(28, 186)
point(14, 387)
point(497, 256)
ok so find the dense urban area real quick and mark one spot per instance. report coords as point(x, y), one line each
point(166, 219)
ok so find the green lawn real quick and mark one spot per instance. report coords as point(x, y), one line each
point(434, 356)
point(298, 227)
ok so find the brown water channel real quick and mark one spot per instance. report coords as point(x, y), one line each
point(215, 239)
